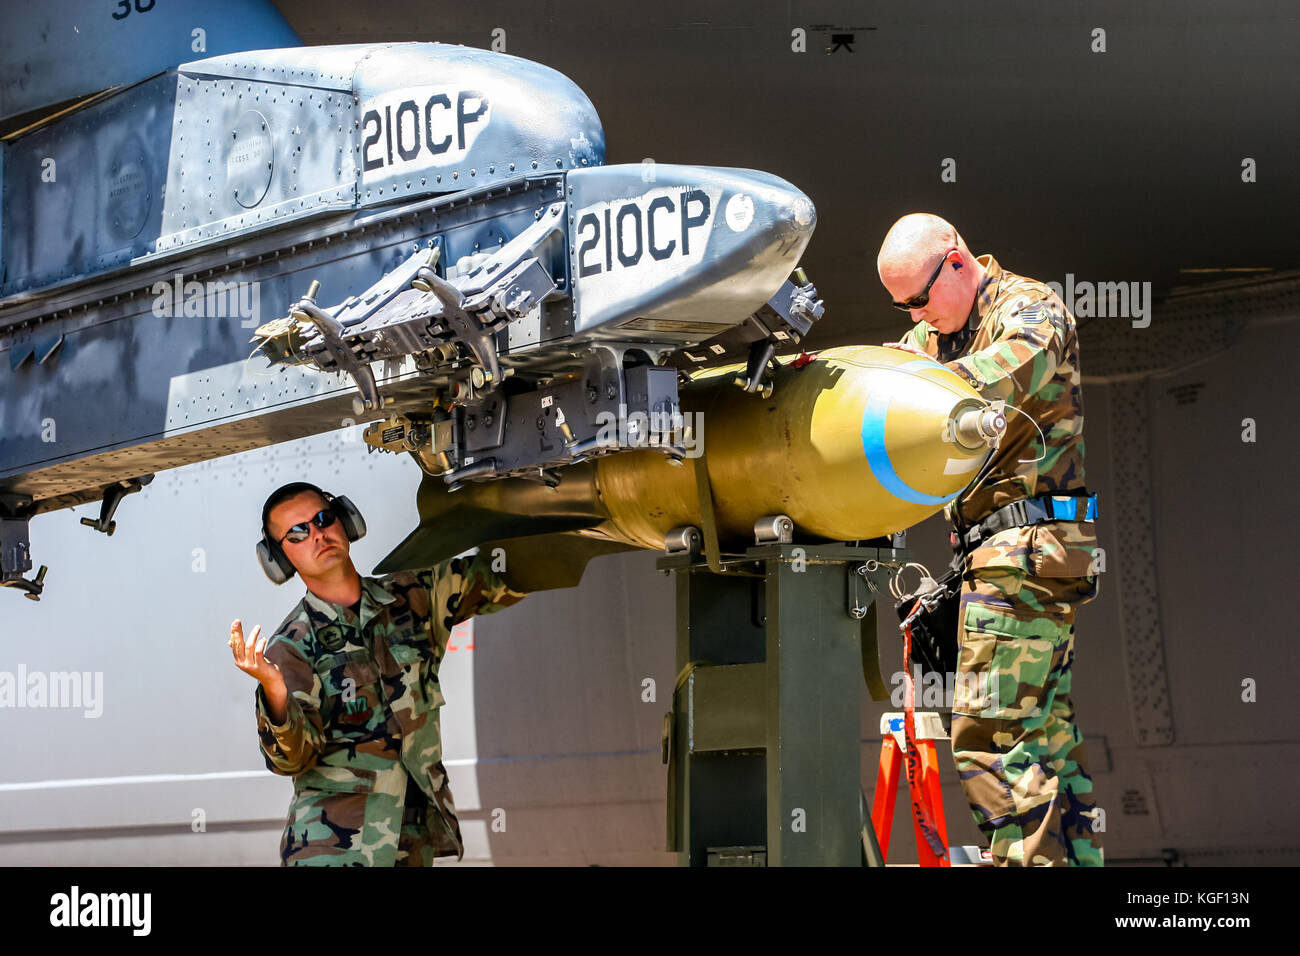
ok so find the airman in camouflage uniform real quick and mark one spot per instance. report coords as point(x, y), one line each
point(364, 714)
point(361, 730)
point(1017, 748)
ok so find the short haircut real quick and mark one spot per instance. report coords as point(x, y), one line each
point(283, 494)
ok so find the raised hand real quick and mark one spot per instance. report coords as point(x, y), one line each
point(250, 656)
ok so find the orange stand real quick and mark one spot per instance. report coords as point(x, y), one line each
point(928, 729)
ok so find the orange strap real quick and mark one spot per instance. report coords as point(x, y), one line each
point(920, 797)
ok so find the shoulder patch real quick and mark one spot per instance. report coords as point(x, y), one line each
point(1032, 314)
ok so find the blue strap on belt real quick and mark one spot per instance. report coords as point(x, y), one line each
point(1061, 508)
point(1031, 511)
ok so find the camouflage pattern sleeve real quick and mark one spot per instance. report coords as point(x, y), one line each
point(1022, 357)
point(295, 745)
point(465, 586)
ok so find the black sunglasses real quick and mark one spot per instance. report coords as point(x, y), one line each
point(919, 301)
point(302, 531)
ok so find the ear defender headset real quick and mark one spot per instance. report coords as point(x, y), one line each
point(275, 563)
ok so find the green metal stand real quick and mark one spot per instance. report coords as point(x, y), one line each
point(763, 743)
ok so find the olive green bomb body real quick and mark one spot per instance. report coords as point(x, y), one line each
point(858, 443)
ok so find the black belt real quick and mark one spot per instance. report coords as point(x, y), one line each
point(416, 803)
point(1070, 506)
